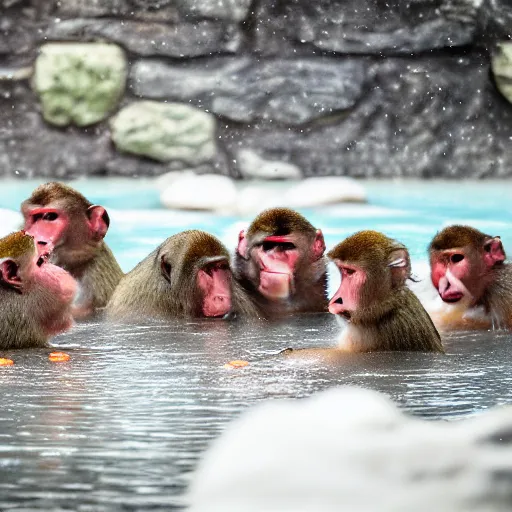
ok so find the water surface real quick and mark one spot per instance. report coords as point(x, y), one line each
point(122, 424)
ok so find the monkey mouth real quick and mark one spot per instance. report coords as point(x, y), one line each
point(452, 298)
point(346, 315)
point(42, 259)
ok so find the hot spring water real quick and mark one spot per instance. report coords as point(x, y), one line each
point(123, 423)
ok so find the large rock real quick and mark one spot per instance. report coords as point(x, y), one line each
point(289, 91)
point(251, 165)
point(188, 191)
point(30, 147)
point(233, 10)
point(364, 26)
point(165, 132)
point(352, 450)
point(451, 125)
point(502, 69)
point(79, 83)
point(150, 39)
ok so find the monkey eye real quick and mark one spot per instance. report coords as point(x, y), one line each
point(455, 258)
point(349, 271)
point(37, 216)
point(50, 216)
point(281, 246)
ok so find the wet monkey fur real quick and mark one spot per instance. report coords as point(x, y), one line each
point(35, 296)
point(71, 229)
point(188, 275)
point(469, 271)
point(382, 313)
point(378, 310)
point(279, 262)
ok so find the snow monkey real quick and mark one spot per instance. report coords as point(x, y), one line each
point(279, 262)
point(469, 271)
point(71, 229)
point(35, 296)
point(188, 275)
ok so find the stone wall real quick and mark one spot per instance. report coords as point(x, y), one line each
point(364, 88)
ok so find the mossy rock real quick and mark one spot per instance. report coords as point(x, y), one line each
point(502, 69)
point(79, 83)
point(165, 132)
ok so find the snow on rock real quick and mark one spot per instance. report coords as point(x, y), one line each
point(10, 221)
point(253, 166)
point(350, 449)
point(200, 192)
point(313, 192)
point(187, 190)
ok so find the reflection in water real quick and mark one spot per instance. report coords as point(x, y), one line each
point(121, 425)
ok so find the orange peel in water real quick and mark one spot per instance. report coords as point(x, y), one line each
point(58, 357)
point(4, 361)
point(239, 363)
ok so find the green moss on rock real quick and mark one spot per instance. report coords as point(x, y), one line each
point(165, 132)
point(79, 83)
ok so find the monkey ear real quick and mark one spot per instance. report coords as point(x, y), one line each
point(242, 244)
point(166, 269)
point(494, 252)
point(400, 266)
point(318, 245)
point(99, 221)
point(9, 274)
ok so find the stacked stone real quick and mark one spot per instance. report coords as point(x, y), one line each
point(359, 88)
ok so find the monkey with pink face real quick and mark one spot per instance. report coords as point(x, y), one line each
point(71, 230)
point(280, 264)
point(376, 307)
point(469, 271)
point(35, 296)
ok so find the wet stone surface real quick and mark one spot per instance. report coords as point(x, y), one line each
point(121, 425)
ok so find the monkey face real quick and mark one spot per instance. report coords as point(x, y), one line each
point(214, 281)
point(348, 297)
point(46, 225)
point(452, 271)
point(274, 263)
point(29, 270)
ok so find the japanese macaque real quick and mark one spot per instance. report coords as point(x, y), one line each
point(71, 229)
point(279, 261)
point(468, 270)
point(35, 296)
point(186, 276)
point(381, 312)
point(378, 310)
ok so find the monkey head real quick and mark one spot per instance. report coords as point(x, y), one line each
point(22, 268)
point(372, 266)
point(462, 260)
point(64, 223)
point(36, 296)
point(196, 266)
point(279, 245)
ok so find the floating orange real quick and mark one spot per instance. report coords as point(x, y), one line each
point(58, 357)
point(6, 362)
point(236, 364)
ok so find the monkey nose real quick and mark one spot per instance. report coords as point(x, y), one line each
point(339, 300)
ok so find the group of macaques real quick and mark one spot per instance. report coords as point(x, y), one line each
point(59, 269)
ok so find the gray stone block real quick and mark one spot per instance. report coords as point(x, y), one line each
point(286, 91)
point(152, 39)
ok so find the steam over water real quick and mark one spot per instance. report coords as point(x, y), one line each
point(121, 425)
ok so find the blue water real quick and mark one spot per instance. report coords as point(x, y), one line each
point(411, 211)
